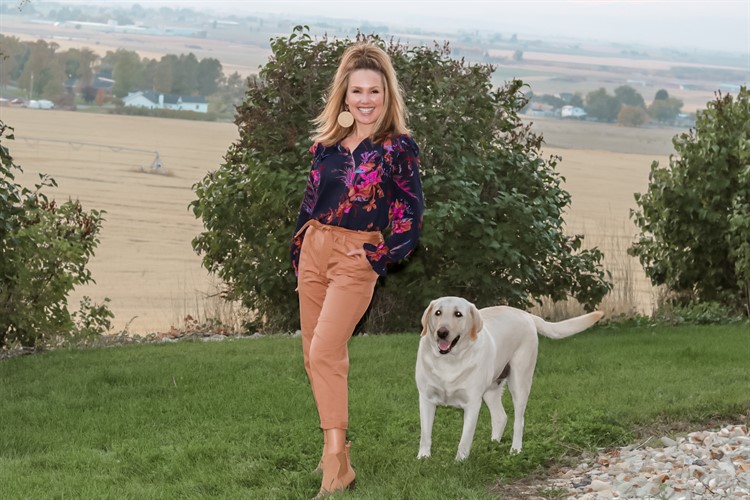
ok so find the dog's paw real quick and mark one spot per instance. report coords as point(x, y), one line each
point(460, 456)
point(423, 454)
point(515, 451)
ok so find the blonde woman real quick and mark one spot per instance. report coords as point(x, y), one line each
point(362, 211)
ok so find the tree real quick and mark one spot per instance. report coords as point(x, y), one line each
point(602, 106)
point(632, 116)
point(80, 64)
point(628, 96)
point(695, 217)
point(166, 73)
point(88, 93)
point(229, 95)
point(186, 75)
point(15, 53)
point(44, 251)
point(661, 95)
point(493, 228)
point(43, 73)
point(126, 72)
point(101, 97)
point(518, 55)
point(209, 76)
point(665, 110)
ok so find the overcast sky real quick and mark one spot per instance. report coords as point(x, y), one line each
point(705, 24)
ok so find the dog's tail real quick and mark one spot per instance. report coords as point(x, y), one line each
point(566, 328)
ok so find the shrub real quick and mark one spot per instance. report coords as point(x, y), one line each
point(632, 116)
point(602, 106)
point(44, 250)
point(493, 221)
point(695, 217)
point(665, 110)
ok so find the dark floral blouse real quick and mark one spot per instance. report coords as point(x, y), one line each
point(374, 188)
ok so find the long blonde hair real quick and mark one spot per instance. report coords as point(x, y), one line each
point(362, 55)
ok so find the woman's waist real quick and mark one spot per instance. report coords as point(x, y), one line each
point(364, 236)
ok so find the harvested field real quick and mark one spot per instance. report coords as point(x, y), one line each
point(145, 263)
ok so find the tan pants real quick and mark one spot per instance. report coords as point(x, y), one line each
point(335, 290)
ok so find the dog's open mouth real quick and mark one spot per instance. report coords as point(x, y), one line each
point(444, 346)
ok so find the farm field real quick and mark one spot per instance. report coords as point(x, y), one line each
point(549, 68)
point(145, 263)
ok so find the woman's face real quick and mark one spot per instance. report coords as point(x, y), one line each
point(365, 96)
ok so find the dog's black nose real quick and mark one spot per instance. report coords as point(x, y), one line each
point(442, 332)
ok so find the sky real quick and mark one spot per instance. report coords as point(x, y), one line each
point(682, 24)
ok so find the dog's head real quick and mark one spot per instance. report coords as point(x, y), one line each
point(449, 319)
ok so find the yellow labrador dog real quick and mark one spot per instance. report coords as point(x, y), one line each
point(466, 355)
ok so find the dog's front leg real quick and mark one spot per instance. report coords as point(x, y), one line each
point(426, 418)
point(471, 414)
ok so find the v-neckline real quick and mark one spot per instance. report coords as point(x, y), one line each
point(352, 151)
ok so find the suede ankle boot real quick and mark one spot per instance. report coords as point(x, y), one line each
point(338, 474)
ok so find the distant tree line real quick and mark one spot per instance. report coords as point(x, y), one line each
point(626, 106)
point(45, 72)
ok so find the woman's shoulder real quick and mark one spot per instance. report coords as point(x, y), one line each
point(402, 143)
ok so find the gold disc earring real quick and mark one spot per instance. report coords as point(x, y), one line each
point(345, 118)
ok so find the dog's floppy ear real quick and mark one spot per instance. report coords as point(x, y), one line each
point(425, 315)
point(476, 322)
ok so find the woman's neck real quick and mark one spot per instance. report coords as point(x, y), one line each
point(361, 133)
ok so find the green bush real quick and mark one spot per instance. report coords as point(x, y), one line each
point(493, 228)
point(697, 313)
point(695, 217)
point(44, 250)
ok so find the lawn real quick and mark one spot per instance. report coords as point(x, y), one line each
point(236, 419)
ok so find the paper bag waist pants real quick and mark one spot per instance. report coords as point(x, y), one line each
point(335, 290)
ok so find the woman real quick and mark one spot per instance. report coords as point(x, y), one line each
point(363, 185)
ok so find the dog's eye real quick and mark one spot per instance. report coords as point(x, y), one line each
point(458, 314)
point(438, 312)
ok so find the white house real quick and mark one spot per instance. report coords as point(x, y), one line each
point(573, 112)
point(153, 100)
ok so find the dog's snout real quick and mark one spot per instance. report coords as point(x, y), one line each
point(442, 332)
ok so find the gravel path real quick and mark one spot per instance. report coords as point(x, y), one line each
point(700, 466)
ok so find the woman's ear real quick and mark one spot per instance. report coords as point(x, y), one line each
point(425, 318)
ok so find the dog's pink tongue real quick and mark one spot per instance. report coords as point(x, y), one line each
point(444, 345)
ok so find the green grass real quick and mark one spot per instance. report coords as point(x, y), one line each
point(236, 419)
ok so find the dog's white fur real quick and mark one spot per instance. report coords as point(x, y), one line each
point(480, 345)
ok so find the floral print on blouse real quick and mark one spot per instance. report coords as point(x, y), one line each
point(374, 188)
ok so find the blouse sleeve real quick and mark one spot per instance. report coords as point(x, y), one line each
point(405, 210)
point(305, 212)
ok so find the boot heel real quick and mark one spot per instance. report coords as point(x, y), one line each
point(338, 474)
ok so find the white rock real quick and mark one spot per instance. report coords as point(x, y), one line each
point(668, 441)
point(727, 467)
point(599, 486)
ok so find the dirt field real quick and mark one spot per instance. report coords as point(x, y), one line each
point(145, 263)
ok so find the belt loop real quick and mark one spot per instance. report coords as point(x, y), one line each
point(304, 226)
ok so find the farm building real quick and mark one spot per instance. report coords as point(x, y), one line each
point(153, 100)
